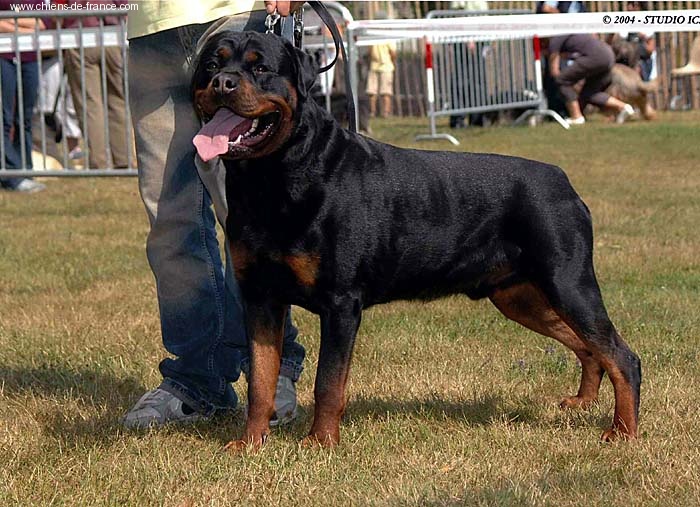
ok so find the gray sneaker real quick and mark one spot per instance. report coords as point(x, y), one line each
point(29, 186)
point(285, 403)
point(159, 407)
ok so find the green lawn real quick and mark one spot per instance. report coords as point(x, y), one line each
point(449, 403)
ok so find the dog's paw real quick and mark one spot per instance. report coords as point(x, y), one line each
point(320, 440)
point(576, 402)
point(245, 444)
point(616, 433)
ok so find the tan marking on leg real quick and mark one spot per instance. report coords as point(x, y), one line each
point(331, 401)
point(329, 409)
point(527, 305)
point(625, 418)
point(265, 348)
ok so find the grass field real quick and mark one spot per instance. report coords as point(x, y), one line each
point(449, 403)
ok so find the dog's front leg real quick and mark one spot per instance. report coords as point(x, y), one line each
point(338, 330)
point(265, 324)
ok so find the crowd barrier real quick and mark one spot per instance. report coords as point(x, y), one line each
point(479, 74)
point(81, 121)
point(473, 64)
point(516, 61)
point(56, 115)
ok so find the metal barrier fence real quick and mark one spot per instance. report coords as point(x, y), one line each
point(81, 126)
point(472, 75)
point(81, 121)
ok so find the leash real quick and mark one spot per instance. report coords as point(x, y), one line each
point(273, 20)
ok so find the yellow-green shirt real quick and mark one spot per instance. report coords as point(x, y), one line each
point(380, 57)
point(157, 15)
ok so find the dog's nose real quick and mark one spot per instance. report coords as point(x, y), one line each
point(224, 83)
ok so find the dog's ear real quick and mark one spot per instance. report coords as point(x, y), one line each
point(305, 68)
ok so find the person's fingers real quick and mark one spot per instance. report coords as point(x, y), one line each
point(282, 7)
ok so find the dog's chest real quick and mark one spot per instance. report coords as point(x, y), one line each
point(274, 269)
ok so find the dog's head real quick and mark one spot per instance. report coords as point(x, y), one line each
point(626, 53)
point(248, 88)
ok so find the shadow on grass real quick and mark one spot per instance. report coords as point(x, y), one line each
point(476, 412)
point(482, 411)
point(102, 399)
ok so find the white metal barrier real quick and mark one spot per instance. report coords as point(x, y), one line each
point(476, 74)
point(105, 43)
point(446, 80)
point(54, 95)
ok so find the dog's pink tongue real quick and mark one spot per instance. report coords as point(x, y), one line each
point(212, 139)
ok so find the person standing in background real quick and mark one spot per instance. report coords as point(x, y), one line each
point(646, 42)
point(380, 81)
point(20, 79)
point(94, 106)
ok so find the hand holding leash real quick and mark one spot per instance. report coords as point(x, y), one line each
point(282, 8)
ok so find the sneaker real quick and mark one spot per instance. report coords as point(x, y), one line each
point(285, 403)
point(76, 153)
point(626, 112)
point(576, 121)
point(159, 407)
point(29, 186)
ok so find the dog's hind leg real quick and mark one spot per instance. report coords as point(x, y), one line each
point(556, 240)
point(338, 330)
point(574, 294)
point(525, 304)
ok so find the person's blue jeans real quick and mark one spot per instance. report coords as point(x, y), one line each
point(201, 311)
point(10, 115)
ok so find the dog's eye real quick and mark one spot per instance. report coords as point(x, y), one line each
point(261, 69)
point(211, 66)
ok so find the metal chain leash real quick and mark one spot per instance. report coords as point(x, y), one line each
point(298, 17)
point(271, 20)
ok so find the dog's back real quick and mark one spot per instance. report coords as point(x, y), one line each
point(421, 224)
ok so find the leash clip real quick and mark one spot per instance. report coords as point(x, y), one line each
point(298, 17)
point(270, 21)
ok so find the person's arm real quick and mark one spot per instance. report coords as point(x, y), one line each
point(550, 8)
point(554, 60)
point(24, 25)
point(556, 48)
point(284, 7)
point(649, 42)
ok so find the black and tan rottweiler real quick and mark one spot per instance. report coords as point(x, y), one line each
point(335, 222)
